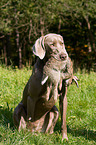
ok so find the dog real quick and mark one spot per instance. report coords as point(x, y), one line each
point(51, 75)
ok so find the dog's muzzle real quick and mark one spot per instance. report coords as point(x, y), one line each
point(63, 56)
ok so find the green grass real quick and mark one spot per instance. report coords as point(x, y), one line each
point(81, 117)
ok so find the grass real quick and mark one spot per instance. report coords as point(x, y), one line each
point(81, 117)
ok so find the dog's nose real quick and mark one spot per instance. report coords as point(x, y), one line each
point(63, 56)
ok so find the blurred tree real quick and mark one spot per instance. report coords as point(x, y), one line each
point(22, 22)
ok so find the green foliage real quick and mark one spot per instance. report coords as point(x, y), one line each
point(80, 113)
point(75, 21)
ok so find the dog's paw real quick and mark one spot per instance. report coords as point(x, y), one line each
point(64, 137)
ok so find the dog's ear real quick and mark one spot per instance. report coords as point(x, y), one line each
point(38, 48)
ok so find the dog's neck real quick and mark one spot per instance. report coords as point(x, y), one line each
point(44, 60)
point(41, 62)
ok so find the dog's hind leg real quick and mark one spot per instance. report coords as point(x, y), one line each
point(52, 119)
point(56, 116)
point(20, 116)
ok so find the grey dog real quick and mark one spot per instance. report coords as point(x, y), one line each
point(52, 72)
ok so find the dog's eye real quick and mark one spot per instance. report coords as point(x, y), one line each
point(52, 44)
point(61, 43)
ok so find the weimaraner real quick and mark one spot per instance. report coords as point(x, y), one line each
point(52, 72)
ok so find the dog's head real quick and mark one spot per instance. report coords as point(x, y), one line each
point(51, 45)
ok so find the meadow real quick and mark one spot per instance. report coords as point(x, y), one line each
point(81, 117)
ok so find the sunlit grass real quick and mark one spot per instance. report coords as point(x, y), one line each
point(81, 117)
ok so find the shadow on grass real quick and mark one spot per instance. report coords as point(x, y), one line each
point(88, 134)
point(6, 116)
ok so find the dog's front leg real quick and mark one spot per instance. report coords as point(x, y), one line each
point(30, 108)
point(63, 109)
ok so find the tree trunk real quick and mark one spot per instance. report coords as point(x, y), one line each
point(5, 54)
point(8, 48)
point(91, 46)
point(42, 26)
point(24, 51)
point(19, 49)
point(41, 23)
point(59, 26)
point(91, 37)
point(17, 41)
